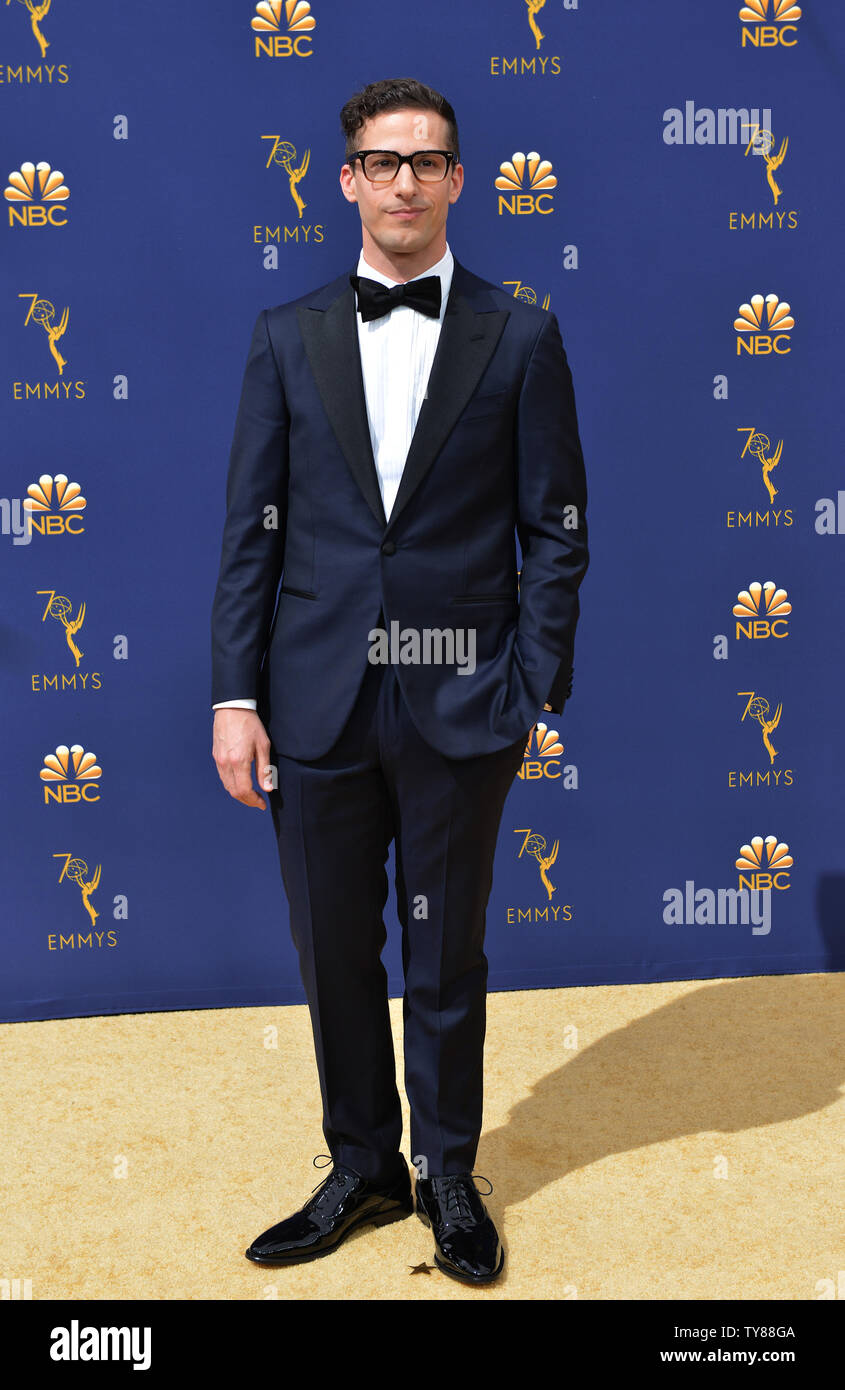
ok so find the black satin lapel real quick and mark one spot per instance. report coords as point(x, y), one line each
point(467, 342)
point(331, 343)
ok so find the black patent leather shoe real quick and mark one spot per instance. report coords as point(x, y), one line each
point(466, 1244)
point(340, 1204)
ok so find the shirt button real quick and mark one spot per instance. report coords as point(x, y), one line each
point(389, 548)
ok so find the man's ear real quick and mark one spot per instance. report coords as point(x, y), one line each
point(346, 179)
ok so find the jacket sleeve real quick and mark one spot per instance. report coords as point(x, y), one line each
point(551, 519)
point(253, 535)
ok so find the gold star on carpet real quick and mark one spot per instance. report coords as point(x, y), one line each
point(421, 1269)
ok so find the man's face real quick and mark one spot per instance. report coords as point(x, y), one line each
point(406, 215)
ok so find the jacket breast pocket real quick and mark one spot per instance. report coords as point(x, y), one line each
point(509, 599)
point(296, 593)
point(493, 403)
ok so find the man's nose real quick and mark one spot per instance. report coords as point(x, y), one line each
point(405, 181)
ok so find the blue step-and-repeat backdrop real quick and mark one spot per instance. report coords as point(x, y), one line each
point(664, 177)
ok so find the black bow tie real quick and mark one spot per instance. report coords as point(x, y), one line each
point(375, 299)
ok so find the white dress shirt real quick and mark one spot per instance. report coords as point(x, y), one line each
point(397, 351)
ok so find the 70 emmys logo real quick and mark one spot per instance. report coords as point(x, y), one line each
point(269, 18)
point(37, 12)
point(781, 32)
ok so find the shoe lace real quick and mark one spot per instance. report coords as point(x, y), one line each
point(334, 1178)
point(457, 1205)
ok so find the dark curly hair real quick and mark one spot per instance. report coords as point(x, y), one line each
point(393, 95)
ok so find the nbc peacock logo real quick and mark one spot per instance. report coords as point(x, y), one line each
point(769, 24)
point(525, 183)
point(283, 28)
point(70, 775)
point(542, 758)
point(761, 611)
point(763, 864)
point(763, 326)
point(37, 196)
point(54, 506)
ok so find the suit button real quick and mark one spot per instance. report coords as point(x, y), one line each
point(389, 548)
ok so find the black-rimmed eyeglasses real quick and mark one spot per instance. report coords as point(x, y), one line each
point(382, 166)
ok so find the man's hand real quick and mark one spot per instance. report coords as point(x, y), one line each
point(240, 740)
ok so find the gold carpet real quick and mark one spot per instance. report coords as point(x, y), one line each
point(659, 1141)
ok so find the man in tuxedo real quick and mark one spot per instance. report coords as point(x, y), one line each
point(397, 429)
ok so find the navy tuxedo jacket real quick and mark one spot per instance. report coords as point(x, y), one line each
point(496, 453)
